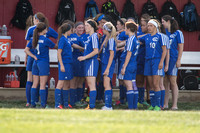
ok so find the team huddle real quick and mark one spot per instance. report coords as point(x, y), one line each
point(95, 50)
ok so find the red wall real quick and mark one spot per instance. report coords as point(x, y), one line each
point(50, 7)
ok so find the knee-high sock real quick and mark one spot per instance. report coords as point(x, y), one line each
point(57, 97)
point(37, 94)
point(93, 95)
point(33, 96)
point(152, 98)
point(157, 98)
point(72, 97)
point(162, 100)
point(43, 94)
point(135, 100)
point(108, 97)
point(28, 91)
point(130, 97)
point(47, 91)
point(65, 97)
point(141, 94)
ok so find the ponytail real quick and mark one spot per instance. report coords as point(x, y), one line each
point(39, 28)
point(174, 24)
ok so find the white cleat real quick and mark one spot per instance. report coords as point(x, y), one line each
point(106, 108)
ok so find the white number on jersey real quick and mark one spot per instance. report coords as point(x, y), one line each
point(38, 50)
point(152, 45)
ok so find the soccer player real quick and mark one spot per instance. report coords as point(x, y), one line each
point(140, 78)
point(121, 38)
point(155, 45)
point(128, 65)
point(90, 58)
point(78, 67)
point(108, 62)
point(41, 68)
point(176, 40)
point(65, 71)
point(38, 17)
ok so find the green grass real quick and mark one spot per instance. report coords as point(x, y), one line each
point(78, 121)
point(14, 118)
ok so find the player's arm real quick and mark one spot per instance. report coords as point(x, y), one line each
point(93, 53)
point(180, 52)
point(128, 57)
point(28, 52)
point(162, 57)
point(62, 68)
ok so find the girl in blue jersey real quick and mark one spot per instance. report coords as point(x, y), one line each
point(128, 66)
point(155, 45)
point(78, 67)
point(38, 17)
point(121, 38)
point(140, 78)
point(41, 68)
point(108, 62)
point(65, 71)
point(176, 40)
point(166, 64)
point(90, 58)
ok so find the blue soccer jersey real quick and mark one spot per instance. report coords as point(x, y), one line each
point(111, 46)
point(132, 45)
point(153, 45)
point(50, 33)
point(122, 36)
point(91, 44)
point(42, 49)
point(85, 37)
point(65, 45)
point(75, 39)
point(175, 39)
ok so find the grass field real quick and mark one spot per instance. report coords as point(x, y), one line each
point(17, 119)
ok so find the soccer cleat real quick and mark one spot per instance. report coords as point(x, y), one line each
point(80, 104)
point(28, 105)
point(140, 105)
point(87, 99)
point(151, 108)
point(174, 108)
point(88, 107)
point(70, 106)
point(145, 103)
point(106, 108)
point(59, 107)
point(157, 108)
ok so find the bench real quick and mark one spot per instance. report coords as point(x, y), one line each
point(189, 58)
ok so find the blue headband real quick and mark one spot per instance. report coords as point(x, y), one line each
point(100, 17)
point(36, 16)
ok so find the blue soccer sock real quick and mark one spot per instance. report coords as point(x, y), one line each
point(135, 101)
point(37, 94)
point(130, 97)
point(47, 91)
point(72, 97)
point(101, 91)
point(61, 102)
point(162, 98)
point(93, 95)
point(82, 91)
point(157, 98)
point(57, 97)
point(141, 94)
point(111, 98)
point(152, 98)
point(79, 91)
point(108, 97)
point(33, 96)
point(76, 96)
point(121, 98)
point(65, 97)
point(43, 94)
point(124, 93)
point(135, 90)
point(28, 91)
